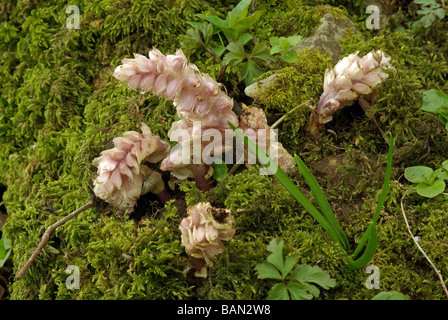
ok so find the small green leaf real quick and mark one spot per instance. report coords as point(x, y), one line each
point(276, 256)
point(431, 190)
point(418, 174)
point(298, 291)
point(219, 50)
point(290, 261)
point(247, 22)
point(294, 40)
point(276, 49)
point(445, 165)
point(440, 13)
point(390, 295)
point(274, 41)
point(267, 270)
point(290, 57)
point(5, 249)
point(220, 169)
point(214, 20)
point(240, 9)
point(434, 101)
point(278, 292)
point(313, 274)
point(245, 38)
point(250, 71)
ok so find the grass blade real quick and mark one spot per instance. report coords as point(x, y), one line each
point(288, 184)
point(381, 200)
point(322, 202)
point(369, 251)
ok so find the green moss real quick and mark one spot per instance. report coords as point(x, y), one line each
point(293, 86)
point(60, 107)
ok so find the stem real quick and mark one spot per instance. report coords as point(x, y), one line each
point(200, 172)
point(287, 113)
point(46, 236)
point(163, 196)
point(314, 126)
point(421, 250)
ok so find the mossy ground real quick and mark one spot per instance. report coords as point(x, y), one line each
point(60, 107)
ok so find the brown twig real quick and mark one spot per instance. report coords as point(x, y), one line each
point(46, 236)
point(421, 250)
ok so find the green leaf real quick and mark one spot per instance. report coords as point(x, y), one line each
point(298, 291)
point(440, 13)
point(390, 295)
point(290, 262)
point(260, 51)
point(5, 249)
point(431, 190)
point(219, 50)
point(294, 40)
point(274, 41)
point(290, 57)
point(276, 256)
point(278, 292)
point(372, 243)
point(247, 22)
point(240, 10)
point(245, 38)
point(418, 174)
point(322, 202)
point(250, 71)
point(286, 182)
point(267, 270)
point(434, 101)
point(220, 169)
point(276, 49)
point(445, 165)
point(313, 274)
point(214, 20)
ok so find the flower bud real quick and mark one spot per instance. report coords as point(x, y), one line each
point(120, 173)
point(203, 231)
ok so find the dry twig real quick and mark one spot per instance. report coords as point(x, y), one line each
point(46, 236)
point(421, 250)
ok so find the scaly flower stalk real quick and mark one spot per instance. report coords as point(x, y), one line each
point(351, 78)
point(255, 126)
point(196, 96)
point(122, 178)
point(203, 232)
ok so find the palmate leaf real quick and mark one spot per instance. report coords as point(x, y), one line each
point(312, 274)
point(267, 270)
point(278, 292)
point(298, 291)
point(276, 256)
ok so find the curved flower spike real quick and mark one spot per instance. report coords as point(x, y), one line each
point(121, 177)
point(203, 232)
point(196, 96)
point(255, 126)
point(351, 77)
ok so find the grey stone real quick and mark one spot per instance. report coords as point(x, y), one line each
point(326, 39)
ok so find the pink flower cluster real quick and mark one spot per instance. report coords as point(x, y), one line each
point(351, 77)
point(204, 230)
point(122, 178)
point(196, 96)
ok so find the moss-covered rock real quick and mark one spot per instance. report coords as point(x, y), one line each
point(60, 107)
